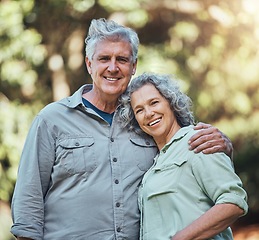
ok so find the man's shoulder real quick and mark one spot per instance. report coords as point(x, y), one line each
point(71, 101)
point(53, 106)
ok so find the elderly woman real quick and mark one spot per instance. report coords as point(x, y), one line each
point(184, 195)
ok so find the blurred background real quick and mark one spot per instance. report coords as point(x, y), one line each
point(212, 46)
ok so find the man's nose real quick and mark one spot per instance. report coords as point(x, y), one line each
point(112, 66)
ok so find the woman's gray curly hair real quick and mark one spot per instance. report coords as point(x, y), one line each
point(168, 87)
point(102, 29)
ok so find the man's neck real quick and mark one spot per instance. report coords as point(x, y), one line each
point(107, 105)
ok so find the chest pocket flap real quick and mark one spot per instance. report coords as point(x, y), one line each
point(174, 165)
point(143, 142)
point(77, 155)
point(69, 143)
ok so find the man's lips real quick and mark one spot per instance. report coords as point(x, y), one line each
point(112, 78)
point(154, 122)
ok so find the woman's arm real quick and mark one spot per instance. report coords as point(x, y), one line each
point(210, 140)
point(214, 221)
point(218, 181)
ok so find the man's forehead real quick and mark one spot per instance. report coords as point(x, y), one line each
point(108, 48)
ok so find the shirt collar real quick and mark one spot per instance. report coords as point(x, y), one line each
point(178, 136)
point(76, 99)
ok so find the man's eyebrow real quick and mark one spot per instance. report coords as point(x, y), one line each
point(103, 55)
point(123, 57)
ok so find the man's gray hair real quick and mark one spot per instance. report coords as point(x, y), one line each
point(102, 29)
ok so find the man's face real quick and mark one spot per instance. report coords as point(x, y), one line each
point(111, 67)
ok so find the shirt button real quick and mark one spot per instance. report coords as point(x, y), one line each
point(118, 204)
point(112, 139)
point(114, 159)
point(116, 181)
point(77, 144)
point(118, 229)
point(148, 143)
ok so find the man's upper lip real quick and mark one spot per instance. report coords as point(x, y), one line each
point(154, 121)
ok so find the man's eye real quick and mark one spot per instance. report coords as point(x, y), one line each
point(103, 59)
point(154, 102)
point(123, 60)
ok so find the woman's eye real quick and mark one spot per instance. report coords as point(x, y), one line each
point(138, 111)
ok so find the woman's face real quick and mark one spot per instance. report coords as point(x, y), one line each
point(154, 114)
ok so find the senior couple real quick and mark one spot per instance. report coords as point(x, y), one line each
point(106, 163)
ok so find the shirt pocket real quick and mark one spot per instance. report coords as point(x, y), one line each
point(165, 179)
point(143, 151)
point(76, 155)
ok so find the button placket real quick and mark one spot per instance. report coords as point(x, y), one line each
point(117, 188)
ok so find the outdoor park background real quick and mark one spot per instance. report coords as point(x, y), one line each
point(212, 46)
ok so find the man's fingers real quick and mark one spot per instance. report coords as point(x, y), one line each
point(201, 125)
point(213, 149)
point(210, 139)
point(210, 147)
point(204, 135)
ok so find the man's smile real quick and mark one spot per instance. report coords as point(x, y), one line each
point(112, 78)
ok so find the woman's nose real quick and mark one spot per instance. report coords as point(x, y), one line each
point(149, 112)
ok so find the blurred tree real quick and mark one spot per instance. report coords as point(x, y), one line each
point(211, 45)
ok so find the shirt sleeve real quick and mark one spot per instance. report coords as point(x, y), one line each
point(217, 178)
point(32, 181)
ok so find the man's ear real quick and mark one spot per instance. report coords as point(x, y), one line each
point(88, 65)
point(134, 67)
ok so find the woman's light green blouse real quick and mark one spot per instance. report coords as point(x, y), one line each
point(182, 185)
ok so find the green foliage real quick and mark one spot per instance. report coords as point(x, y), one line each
point(211, 45)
